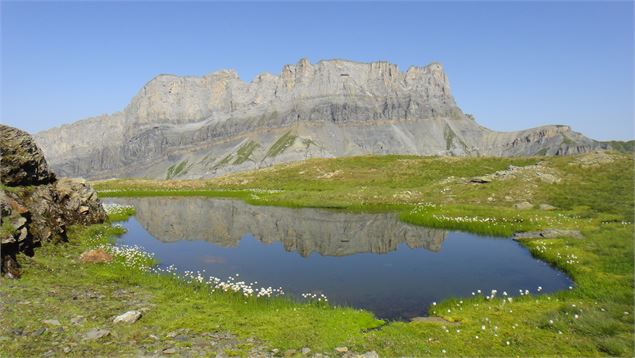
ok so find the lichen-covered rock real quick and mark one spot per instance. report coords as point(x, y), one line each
point(21, 161)
point(34, 205)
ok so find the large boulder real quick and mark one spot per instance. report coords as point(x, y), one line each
point(21, 161)
point(34, 205)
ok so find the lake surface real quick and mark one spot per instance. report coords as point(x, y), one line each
point(369, 261)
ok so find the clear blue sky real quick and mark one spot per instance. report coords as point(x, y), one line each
point(513, 65)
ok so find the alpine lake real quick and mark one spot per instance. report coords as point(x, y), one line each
point(368, 261)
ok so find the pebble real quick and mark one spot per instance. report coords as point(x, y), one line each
point(52, 322)
point(77, 320)
point(96, 333)
point(128, 317)
point(169, 351)
point(341, 349)
point(306, 350)
point(39, 332)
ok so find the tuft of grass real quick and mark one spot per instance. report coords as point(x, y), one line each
point(244, 152)
point(176, 170)
point(284, 142)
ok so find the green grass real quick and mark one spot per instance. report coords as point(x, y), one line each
point(436, 192)
point(284, 142)
point(244, 152)
point(176, 170)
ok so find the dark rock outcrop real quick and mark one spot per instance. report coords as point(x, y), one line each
point(34, 205)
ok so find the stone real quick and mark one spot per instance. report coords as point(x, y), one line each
point(21, 160)
point(52, 322)
point(96, 333)
point(548, 234)
point(525, 205)
point(169, 351)
point(289, 352)
point(548, 178)
point(371, 354)
point(547, 207)
point(306, 350)
point(39, 332)
point(128, 317)
point(341, 350)
point(481, 180)
point(192, 127)
point(95, 256)
point(77, 320)
point(43, 212)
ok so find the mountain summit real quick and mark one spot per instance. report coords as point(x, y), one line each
point(193, 127)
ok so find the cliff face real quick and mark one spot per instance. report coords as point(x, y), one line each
point(34, 205)
point(206, 126)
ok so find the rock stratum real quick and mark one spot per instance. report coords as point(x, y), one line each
point(34, 205)
point(194, 127)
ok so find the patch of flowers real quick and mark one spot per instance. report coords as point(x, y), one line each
point(118, 209)
point(132, 256)
point(319, 297)
point(232, 284)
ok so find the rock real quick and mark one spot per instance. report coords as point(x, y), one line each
point(547, 207)
point(548, 178)
point(77, 320)
point(306, 351)
point(548, 234)
point(128, 317)
point(52, 322)
point(189, 127)
point(371, 354)
point(481, 180)
point(523, 205)
point(42, 211)
point(66, 349)
point(95, 256)
point(96, 333)
point(169, 351)
point(21, 160)
point(341, 350)
point(289, 352)
point(39, 332)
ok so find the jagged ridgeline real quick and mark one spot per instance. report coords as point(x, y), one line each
point(193, 127)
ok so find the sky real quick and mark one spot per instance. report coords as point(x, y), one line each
point(513, 65)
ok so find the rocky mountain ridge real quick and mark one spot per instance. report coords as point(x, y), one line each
point(192, 127)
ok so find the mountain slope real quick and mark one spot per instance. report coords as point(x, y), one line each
point(189, 127)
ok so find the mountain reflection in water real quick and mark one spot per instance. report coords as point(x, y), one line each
point(369, 261)
point(327, 232)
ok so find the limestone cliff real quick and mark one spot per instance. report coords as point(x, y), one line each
point(34, 205)
point(190, 127)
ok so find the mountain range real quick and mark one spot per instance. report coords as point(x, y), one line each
point(197, 127)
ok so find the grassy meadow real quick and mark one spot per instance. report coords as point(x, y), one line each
point(592, 193)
